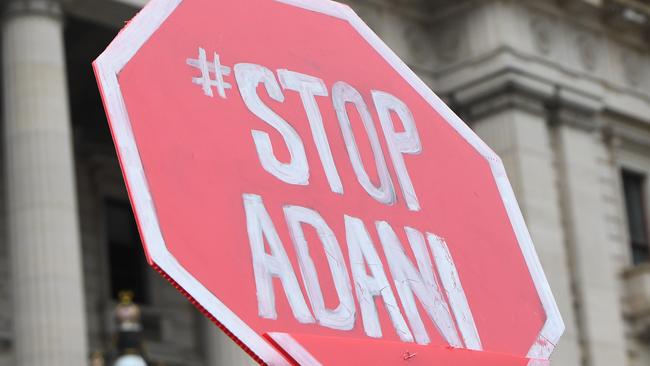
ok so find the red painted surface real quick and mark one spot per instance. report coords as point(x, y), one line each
point(199, 159)
point(353, 352)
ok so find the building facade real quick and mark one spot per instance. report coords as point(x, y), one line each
point(559, 89)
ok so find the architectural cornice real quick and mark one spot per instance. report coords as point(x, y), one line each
point(628, 135)
point(577, 52)
point(514, 89)
point(570, 107)
point(50, 8)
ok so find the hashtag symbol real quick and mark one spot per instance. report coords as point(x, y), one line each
point(207, 70)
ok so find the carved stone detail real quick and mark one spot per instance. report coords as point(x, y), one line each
point(447, 41)
point(587, 54)
point(541, 33)
point(418, 36)
point(633, 67)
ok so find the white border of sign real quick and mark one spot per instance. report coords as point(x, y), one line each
point(109, 64)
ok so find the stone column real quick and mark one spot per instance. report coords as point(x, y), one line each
point(221, 350)
point(588, 182)
point(49, 313)
point(513, 123)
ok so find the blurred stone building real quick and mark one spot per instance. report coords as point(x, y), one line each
point(560, 89)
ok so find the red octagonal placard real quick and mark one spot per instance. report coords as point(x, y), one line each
point(295, 178)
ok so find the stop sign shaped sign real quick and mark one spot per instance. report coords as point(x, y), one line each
point(304, 188)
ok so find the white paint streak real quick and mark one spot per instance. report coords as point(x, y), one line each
point(535, 362)
point(266, 266)
point(407, 142)
point(296, 171)
point(343, 316)
point(309, 87)
point(327, 7)
point(208, 68)
point(362, 252)
point(420, 282)
point(294, 349)
point(342, 94)
point(455, 292)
